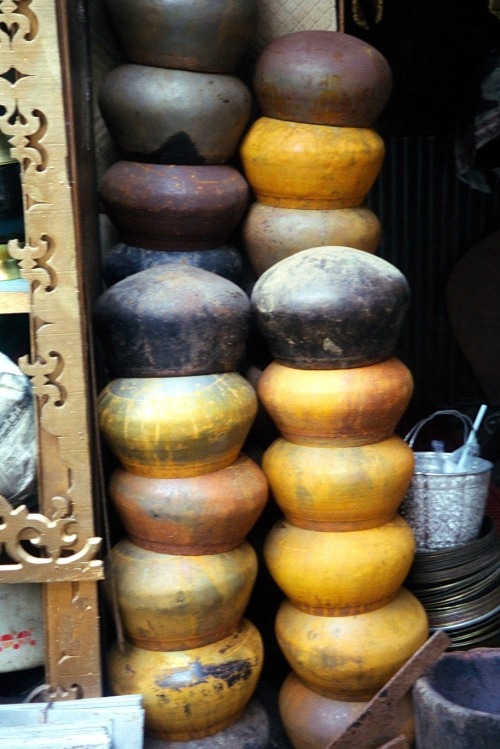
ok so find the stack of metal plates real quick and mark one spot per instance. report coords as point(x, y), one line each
point(460, 588)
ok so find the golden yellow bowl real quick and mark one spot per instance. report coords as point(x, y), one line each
point(340, 573)
point(351, 657)
point(298, 165)
point(174, 427)
point(336, 407)
point(174, 602)
point(339, 488)
point(190, 694)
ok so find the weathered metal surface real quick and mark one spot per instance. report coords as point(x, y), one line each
point(331, 308)
point(457, 701)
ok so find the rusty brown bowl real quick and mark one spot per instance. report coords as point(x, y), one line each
point(209, 36)
point(322, 78)
point(162, 206)
point(206, 514)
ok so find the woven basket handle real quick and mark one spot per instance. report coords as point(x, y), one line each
point(414, 431)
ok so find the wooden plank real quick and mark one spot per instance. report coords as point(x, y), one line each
point(381, 708)
point(14, 302)
point(400, 742)
point(72, 609)
point(50, 573)
point(122, 715)
point(72, 641)
point(45, 736)
point(14, 297)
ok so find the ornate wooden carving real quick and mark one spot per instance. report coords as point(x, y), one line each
point(33, 114)
point(45, 545)
point(56, 544)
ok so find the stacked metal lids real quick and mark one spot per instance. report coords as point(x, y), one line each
point(460, 588)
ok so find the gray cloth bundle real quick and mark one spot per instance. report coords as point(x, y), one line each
point(18, 444)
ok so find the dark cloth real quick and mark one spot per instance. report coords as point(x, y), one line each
point(436, 51)
point(476, 164)
point(473, 302)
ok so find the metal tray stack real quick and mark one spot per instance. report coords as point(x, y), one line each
point(460, 588)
